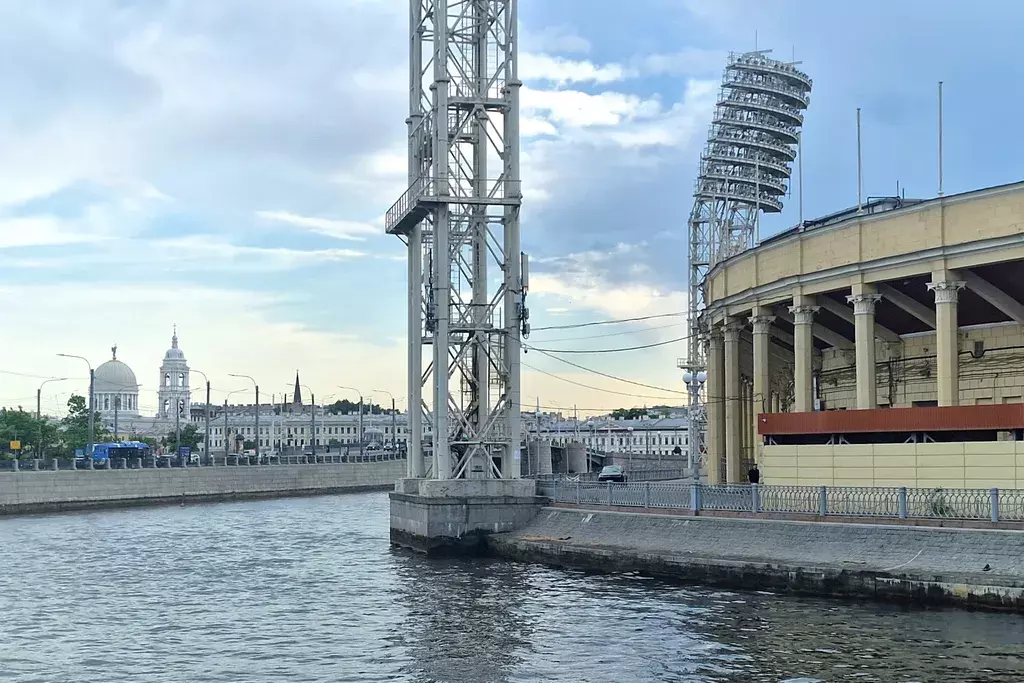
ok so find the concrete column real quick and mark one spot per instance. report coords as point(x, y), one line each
point(716, 405)
point(733, 402)
point(748, 421)
point(762, 397)
point(864, 298)
point(803, 354)
point(947, 345)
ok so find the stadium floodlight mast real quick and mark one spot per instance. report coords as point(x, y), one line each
point(744, 171)
point(467, 277)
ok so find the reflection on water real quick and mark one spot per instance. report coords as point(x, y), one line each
point(308, 590)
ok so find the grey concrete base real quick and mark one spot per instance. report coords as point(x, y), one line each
point(453, 517)
point(960, 567)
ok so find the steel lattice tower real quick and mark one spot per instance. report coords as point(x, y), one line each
point(460, 220)
point(744, 170)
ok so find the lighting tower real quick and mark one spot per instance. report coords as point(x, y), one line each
point(744, 171)
point(460, 220)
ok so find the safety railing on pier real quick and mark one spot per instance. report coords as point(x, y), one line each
point(993, 505)
point(231, 460)
point(632, 475)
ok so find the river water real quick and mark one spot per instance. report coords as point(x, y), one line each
point(308, 590)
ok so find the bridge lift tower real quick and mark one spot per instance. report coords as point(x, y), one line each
point(460, 220)
point(744, 171)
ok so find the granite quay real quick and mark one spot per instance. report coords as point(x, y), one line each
point(923, 565)
point(54, 491)
point(803, 502)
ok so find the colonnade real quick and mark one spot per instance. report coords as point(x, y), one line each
point(735, 403)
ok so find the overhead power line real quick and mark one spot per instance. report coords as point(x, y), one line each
point(608, 322)
point(613, 334)
point(593, 388)
point(618, 350)
point(613, 377)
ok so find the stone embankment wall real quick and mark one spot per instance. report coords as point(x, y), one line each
point(982, 568)
point(28, 492)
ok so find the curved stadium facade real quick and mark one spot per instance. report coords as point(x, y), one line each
point(879, 348)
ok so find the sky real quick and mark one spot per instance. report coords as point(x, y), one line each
point(225, 166)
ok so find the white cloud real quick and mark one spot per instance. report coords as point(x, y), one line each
point(559, 39)
point(342, 230)
point(543, 67)
point(579, 109)
point(38, 231)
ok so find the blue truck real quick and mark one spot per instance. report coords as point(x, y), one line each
point(114, 453)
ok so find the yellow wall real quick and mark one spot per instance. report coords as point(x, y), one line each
point(923, 465)
point(873, 241)
point(996, 377)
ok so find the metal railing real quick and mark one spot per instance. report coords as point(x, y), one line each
point(992, 505)
point(453, 188)
point(632, 475)
point(231, 460)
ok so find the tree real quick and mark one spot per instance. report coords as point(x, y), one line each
point(75, 427)
point(18, 425)
point(629, 413)
point(346, 407)
point(191, 437)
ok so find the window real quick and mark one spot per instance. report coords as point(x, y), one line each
point(167, 380)
point(106, 403)
point(181, 379)
point(167, 406)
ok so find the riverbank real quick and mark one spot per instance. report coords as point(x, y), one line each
point(922, 565)
point(48, 491)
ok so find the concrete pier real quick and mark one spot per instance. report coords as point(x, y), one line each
point(921, 565)
point(50, 491)
point(453, 517)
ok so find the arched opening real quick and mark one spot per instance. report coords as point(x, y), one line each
point(181, 379)
point(106, 403)
point(167, 380)
point(167, 406)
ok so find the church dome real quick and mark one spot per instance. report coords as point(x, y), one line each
point(115, 377)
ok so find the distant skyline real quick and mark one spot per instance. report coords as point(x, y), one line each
point(226, 166)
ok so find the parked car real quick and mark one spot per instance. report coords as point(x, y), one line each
point(612, 473)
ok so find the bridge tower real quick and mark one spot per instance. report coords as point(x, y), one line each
point(459, 218)
point(744, 171)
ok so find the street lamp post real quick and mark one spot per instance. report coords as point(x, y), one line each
point(226, 422)
point(206, 438)
point(257, 387)
point(39, 412)
point(360, 417)
point(694, 381)
point(394, 424)
point(92, 398)
point(312, 419)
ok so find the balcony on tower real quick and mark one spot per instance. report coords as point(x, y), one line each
point(427, 192)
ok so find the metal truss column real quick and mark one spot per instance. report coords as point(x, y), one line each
point(464, 109)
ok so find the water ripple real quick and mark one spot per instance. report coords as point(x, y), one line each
point(309, 590)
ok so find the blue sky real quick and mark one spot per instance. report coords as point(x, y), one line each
point(226, 166)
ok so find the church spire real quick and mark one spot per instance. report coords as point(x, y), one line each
point(297, 398)
point(174, 338)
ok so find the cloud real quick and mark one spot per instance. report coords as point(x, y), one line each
point(342, 230)
point(38, 231)
point(557, 39)
point(543, 67)
point(593, 280)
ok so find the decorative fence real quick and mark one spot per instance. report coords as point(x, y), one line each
point(847, 501)
point(152, 461)
point(632, 475)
